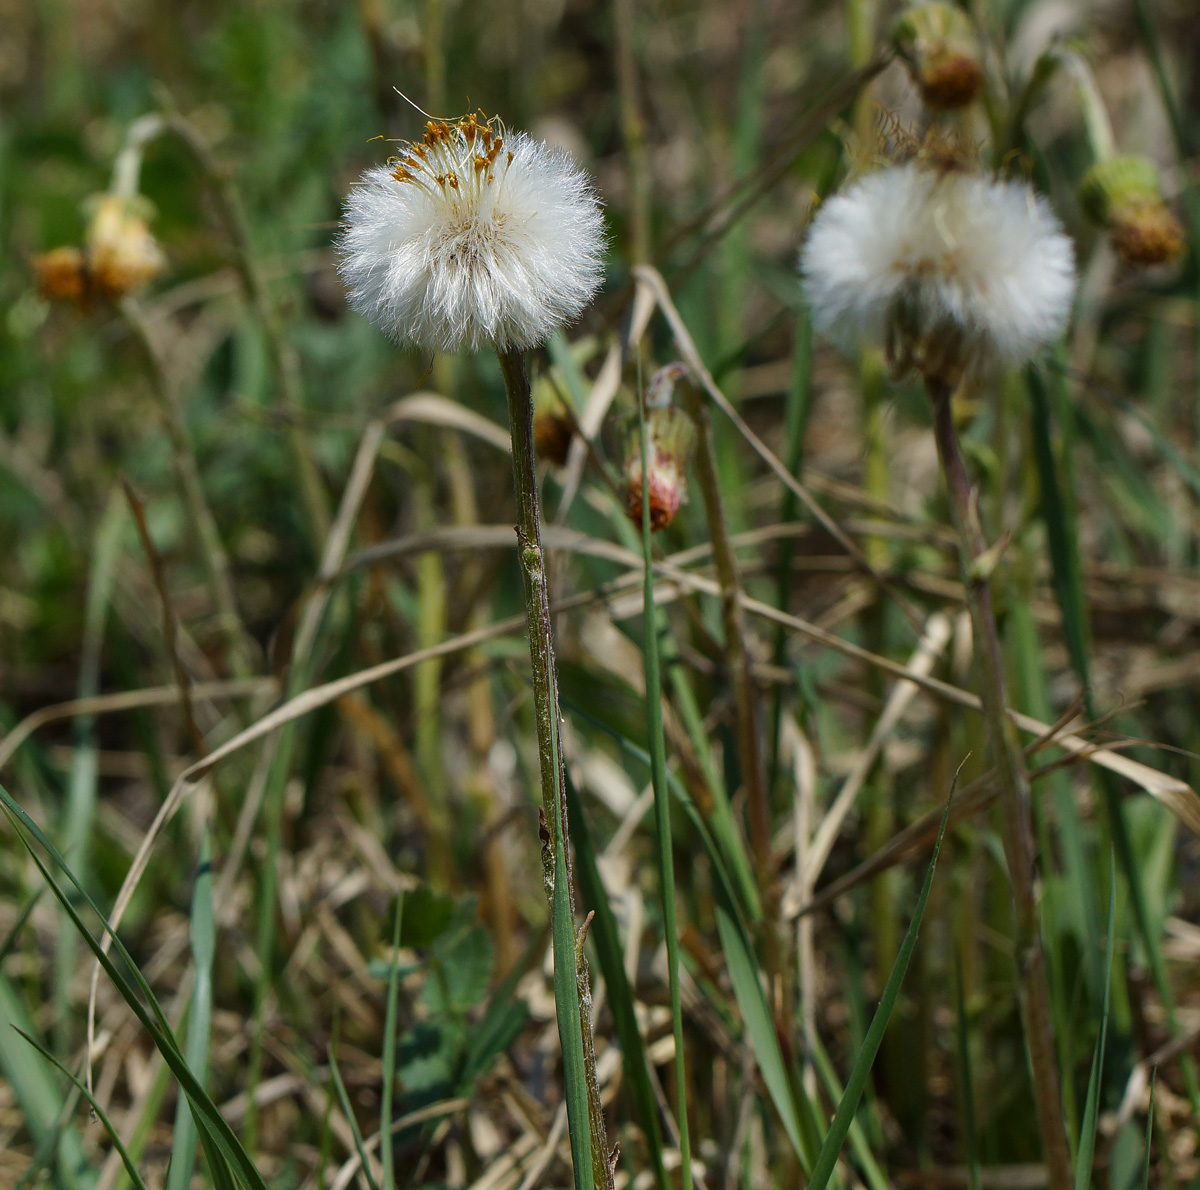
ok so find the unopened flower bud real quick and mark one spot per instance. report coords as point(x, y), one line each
point(122, 254)
point(552, 427)
point(939, 44)
point(669, 439)
point(1123, 194)
point(61, 274)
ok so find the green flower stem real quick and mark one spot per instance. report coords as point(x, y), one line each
point(1096, 120)
point(556, 854)
point(1013, 781)
point(662, 810)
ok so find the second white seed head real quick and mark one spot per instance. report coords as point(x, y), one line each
point(473, 237)
point(947, 269)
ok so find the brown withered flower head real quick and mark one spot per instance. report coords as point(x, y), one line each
point(553, 427)
point(939, 45)
point(1123, 194)
point(119, 256)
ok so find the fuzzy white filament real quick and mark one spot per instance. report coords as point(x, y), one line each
point(472, 237)
point(913, 255)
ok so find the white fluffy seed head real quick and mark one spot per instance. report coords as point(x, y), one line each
point(472, 237)
point(950, 271)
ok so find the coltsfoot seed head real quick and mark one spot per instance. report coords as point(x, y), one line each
point(949, 271)
point(1124, 195)
point(472, 236)
point(939, 45)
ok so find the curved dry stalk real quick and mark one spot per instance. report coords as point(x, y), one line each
point(653, 280)
point(436, 410)
point(338, 540)
point(1179, 797)
point(1176, 795)
point(131, 700)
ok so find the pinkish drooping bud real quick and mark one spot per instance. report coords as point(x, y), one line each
point(669, 439)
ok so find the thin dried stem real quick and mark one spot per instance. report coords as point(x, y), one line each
point(1013, 780)
point(283, 354)
point(239, 647)
point(736, 655)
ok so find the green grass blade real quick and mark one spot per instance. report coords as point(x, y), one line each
point(968, 1084)
point(842, 1118)
point(84, 775)
point(662, 806)
point(150, 1014)
point(604, 936)
point(348, 1112)
point(721, 821)
point(875, 1178)
point(1149, 1132)
point(389, 1053)
point(1091, 1107)
point(10, 939)
point(39, 1100)
point(760, 1029)
point(183, 1150)
point(126, 1160)
point(1068, 587)
point(799, 404)
point(1066, 572)
point(26, 825)
point(795, 1112)
point(264, 942)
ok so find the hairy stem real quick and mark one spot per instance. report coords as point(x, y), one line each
point(1013, 780)
point(546, 712)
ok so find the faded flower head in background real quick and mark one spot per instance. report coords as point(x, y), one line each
point(950, 271)
point(472, 237)
point(938, 43)
point(1124, 195)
